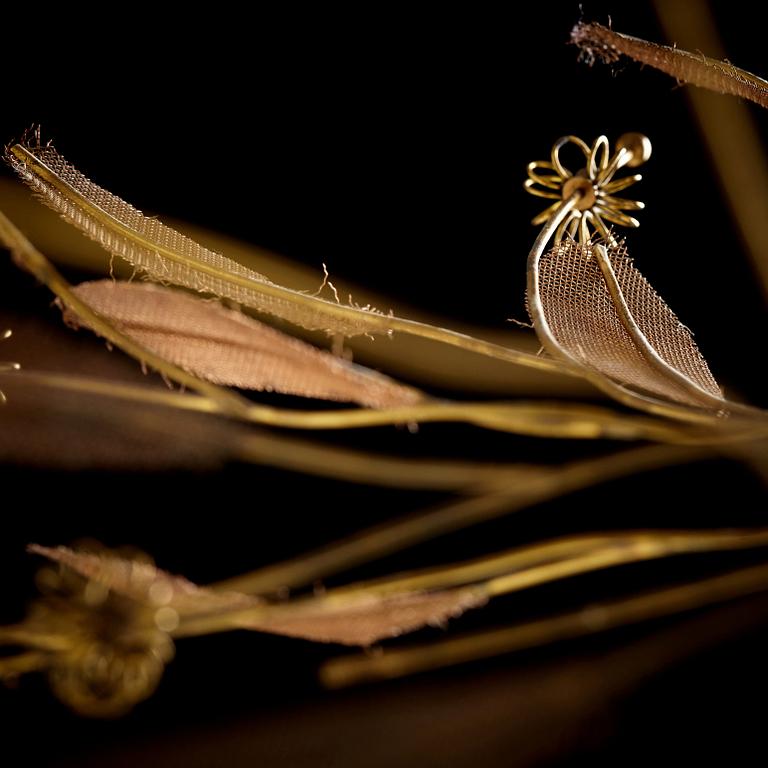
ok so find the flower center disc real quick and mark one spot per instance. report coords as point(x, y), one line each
point(583, 187)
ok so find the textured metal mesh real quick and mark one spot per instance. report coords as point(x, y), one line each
point(581, 314)
point(157, 236)
point(226, 347)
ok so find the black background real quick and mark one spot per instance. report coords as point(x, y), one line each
point(389, 143)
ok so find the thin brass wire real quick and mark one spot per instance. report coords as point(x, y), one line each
point(550, 179)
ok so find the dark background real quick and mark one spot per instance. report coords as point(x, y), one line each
point(391, 144)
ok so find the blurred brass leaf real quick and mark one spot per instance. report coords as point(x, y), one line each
point(182, 608)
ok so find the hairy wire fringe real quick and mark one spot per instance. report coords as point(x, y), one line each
point(168, 256)
point(599, 42)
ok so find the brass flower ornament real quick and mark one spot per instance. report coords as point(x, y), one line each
point(594, 184)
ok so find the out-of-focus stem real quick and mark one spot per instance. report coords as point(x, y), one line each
point(400, 534)
point(493, 575)
point(537, 419)
point(350, 670)
point(530, 566)
point(22, 663)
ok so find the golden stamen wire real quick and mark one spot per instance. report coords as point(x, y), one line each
point(593, 187)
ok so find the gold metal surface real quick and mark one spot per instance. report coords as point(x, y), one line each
point(593, 187)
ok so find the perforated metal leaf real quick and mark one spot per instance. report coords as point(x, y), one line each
point(587, 323)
